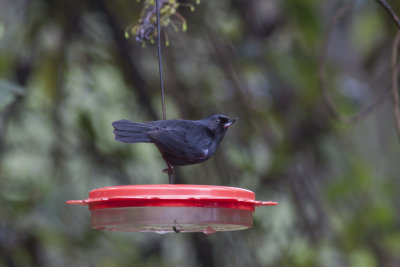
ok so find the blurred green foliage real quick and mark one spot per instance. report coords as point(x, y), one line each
point(67, 72)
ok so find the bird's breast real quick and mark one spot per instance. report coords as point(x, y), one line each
point(205, 153)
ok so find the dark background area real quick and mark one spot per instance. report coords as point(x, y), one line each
point(67, 72)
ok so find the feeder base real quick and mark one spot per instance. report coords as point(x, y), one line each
point(171, 219)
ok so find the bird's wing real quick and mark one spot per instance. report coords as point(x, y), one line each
point(168, 140)
point(181, 140)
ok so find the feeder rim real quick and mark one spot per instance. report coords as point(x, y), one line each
point(171, 195)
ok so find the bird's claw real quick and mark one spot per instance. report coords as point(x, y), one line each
point(168, 170)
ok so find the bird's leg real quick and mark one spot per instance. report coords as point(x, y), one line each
point(171, 175)
point(170, 171)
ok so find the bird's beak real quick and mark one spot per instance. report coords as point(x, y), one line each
point(229, 123)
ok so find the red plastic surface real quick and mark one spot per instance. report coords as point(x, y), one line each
point(171, 195)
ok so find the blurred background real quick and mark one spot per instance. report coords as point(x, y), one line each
point(67, 72)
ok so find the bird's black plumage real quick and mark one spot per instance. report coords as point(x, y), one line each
point(181, 142)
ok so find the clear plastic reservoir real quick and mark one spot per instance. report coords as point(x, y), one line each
point(171, 219)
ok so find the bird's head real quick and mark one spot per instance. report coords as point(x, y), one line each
point(219, 124)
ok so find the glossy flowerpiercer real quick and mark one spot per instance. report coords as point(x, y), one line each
point(181, 142)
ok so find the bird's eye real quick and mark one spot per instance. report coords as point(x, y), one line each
point(217, 120)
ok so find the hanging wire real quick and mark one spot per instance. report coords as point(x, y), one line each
point(164, 114)
point(169, 170)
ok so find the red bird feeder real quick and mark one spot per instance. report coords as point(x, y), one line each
point(164, 208)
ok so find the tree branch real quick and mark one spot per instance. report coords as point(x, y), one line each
point(390, 11)
point(395, 84)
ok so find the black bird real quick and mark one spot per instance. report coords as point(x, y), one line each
point(181, 142)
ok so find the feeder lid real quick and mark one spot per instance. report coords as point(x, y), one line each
point(182, 195)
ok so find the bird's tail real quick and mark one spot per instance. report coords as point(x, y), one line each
point(131, 132)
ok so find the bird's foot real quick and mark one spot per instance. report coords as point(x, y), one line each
point(169, 170)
